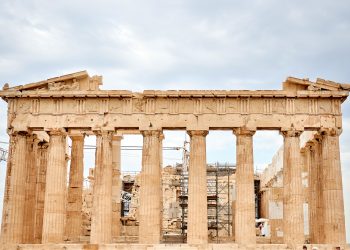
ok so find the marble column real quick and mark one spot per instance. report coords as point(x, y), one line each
point(101, 221)
point(40, 190)
point(332, 188)
point(161, 138)
point(75, 189)
point(245, 197)
point(309, 160)
point(233, 211)
point(150, 197)
point(317, 157)
point(13, 209)
point(116, 185)
point(197, 223)
point(315, 192)
point(56, 188)
point(30, 196)
point(293, 221)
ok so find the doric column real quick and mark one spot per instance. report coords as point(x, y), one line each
point(101, 221)
point(293, 222)
point(149, 211)
point(315, 191)
point(40, 190)
point(197, 223)
point(116, 185)
point(245, 197)
point(13, 209)
point(317, 157)
point(56, 188)
point(75, 189)
point(161, 138)
point(309, 158)
point(30, 196)
point(332, 188)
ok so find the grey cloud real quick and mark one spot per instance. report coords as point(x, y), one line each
point(198, 41)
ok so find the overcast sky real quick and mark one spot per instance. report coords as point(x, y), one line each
point(223, 44)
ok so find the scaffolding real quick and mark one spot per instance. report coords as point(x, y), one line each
point(219, 186)
point(257, 196)
point(126, 192)
point(182, 169)
point(3, 154)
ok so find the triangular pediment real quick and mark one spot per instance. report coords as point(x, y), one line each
point(75, 81)
point(293, 83)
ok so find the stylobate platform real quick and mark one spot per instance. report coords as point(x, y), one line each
point(162, 246)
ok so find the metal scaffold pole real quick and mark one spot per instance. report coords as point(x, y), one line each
point(3, 154)
point(229, 202)
point(217, 203)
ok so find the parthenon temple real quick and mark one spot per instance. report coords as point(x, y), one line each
point(45, 193)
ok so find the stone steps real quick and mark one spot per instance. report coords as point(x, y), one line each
point(125, 246)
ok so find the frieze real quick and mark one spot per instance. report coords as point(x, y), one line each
point(197, 106)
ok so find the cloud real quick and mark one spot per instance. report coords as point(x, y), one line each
point(193, 42)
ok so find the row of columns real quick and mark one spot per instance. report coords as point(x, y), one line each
point(329, 205)
point(61, 215)
point(38, 207)
point(326, 204)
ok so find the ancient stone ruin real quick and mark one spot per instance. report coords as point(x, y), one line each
point(41, 206)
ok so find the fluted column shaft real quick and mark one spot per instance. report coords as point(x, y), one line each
point(293, 222)
point(30, 196)
point(75, 189)
point(197, 223)
point(56, 187)
point(101, 221)
point(315, 192)
point(40, 190)
point(116, 185)
point(245, 197)
point(332, 188)
point(150, 197)
point(13, 210)
point(312, 173)
point(161, 138)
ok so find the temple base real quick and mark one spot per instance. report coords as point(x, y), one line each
point(160, 246)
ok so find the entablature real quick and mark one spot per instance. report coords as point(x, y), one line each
point(75, 101)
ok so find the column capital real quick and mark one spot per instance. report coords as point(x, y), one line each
point(197, 132)
point(330, 131)
point(117, 137)
point(77, 134)
point(291, 132)
point(104, 133)
point(57, 131)
point(77, 137)
point(12, 132)
point(310, 145)
point(156, 133)
point(243, 131)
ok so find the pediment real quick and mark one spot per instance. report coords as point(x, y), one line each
point(293, 83)
point(75, 81)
